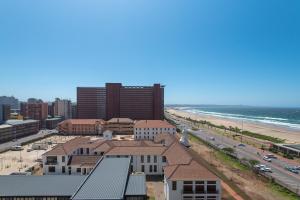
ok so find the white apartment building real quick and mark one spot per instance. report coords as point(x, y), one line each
point(184, 178)
point(148, 129)
point(63, 107)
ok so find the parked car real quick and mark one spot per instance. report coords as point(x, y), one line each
point(271, 156)
point(267, 159)
point(29, 150)
point(16, 148)
point(294, 171)
point(241, 145)
point(212, 138)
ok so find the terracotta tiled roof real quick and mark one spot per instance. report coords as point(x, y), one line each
point(176, 154)
point(191, 171)
point(136, 151)
point(68, 147)
point(103, 148)
point(165, 138)
point(83, 121)
point(84, 160)
point(153, 124)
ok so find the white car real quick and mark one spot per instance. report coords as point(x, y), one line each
point(266, 158)
point(265, 169)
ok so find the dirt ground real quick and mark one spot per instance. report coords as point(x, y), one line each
point(20, 161)
point(247, 181)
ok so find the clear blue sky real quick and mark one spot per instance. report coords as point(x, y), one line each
point(204, 51)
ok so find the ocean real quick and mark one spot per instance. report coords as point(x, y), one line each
point(288, 117)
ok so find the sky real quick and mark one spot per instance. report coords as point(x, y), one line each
point(227, 52)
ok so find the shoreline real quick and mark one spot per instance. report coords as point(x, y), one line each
point(288, 134)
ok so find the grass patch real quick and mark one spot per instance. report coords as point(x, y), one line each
point(229, 161)
point(285, 193)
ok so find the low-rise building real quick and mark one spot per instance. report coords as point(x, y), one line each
point(81, 127)
point(291, 149)
point(110, 180)
point(184, 178)
point(14, 129)
point(120, 126)
point(52, 123)
point(148, 129)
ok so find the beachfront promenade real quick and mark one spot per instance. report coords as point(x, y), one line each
point(283, 177)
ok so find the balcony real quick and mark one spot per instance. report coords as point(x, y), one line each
point(51, 163)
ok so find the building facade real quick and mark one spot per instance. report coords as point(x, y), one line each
point(63, 107)
point(36, 111)
point(148, 129)
point(117, 101)
point(91, 102)
point(12, 101)
point(13, 129)
point(120, 126)
point(81, 127)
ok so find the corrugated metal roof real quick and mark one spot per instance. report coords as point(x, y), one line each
point(106, 181)
point(136, 185)
point(60, 185)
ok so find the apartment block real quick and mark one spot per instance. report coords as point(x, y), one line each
point(63, 108)
point(120, 126)
point(36, 111)
point(148, 129)
point(117, 101)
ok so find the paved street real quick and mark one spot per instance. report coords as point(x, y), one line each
point(251, 153)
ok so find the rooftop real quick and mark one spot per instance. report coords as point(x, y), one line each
point(153, 124)
point(136, 185)
point(106, 181)
point(5, 126)
point(52, 185)
point(293, 146)
point(18, 122)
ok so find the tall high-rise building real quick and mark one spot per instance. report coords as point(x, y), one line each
point(91, 102)
point(63, 107)
point(117, 101)
point(4, 112)
point(74, 111)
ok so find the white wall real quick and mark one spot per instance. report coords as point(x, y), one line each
point(149, 133)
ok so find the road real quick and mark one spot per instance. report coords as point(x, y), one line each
point(41, 134)
point(283, 176)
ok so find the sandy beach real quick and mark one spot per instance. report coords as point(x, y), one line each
point(290, 135)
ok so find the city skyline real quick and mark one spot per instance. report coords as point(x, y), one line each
point(237, 53)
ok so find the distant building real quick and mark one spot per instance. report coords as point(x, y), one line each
point(91, 102)
point(63, 107)
point(12, 101)
point(52, 123)
point(74, 111)
point(51, 109)
point(14, 129)
point(148, 129)
point(81, 127)
point(117, 101)
point(120, 126)
point(4, 112)
point(37, 111)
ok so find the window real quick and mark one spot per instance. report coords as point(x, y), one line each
point(148, 159)
point(63, 159)
point(78, 170)
point(155, 159)
point(81, 151)
point(164, 159)
point(143, 168)
point(174, 185)
point(51, 169)
point(87, 151)
point(150, 168)
point(155, 168)
point(142, 159)
point(63, 169)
